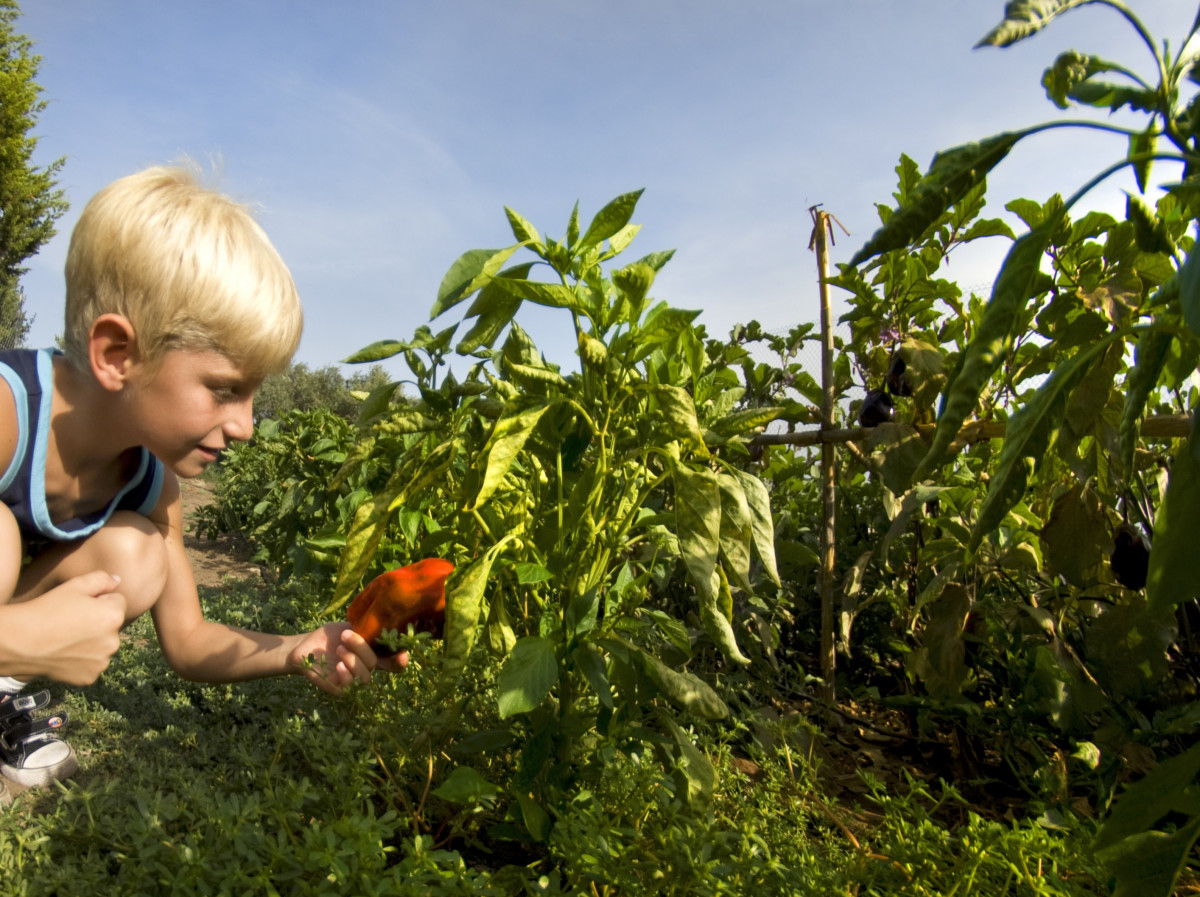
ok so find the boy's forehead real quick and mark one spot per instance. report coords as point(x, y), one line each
point(211, 362)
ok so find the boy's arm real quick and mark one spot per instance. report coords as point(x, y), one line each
point(213, 652)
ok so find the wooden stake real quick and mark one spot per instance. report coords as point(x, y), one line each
point(821, 237)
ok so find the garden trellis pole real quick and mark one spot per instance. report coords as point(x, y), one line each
point(822, 235)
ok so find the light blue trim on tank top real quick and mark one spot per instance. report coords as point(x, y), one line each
point(37, 486)
point(21, 399)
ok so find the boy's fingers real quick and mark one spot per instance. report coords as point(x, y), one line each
point(98, 582)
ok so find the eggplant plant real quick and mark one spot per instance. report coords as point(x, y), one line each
point(1136, 290)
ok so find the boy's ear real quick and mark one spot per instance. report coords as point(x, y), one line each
point(112, 350)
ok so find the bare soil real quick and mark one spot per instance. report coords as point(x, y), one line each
point(213, 560)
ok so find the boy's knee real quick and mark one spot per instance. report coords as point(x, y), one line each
point(133, 548)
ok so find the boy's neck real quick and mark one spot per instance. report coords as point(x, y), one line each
point(85, 422)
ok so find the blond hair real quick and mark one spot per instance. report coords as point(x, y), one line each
point(187, 266)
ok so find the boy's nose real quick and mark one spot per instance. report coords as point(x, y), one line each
point(240, 426)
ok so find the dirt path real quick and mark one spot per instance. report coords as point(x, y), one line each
point(212, 559)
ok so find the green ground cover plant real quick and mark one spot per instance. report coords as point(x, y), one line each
point(269, 788)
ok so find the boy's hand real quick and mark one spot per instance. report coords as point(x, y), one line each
point(334, 656)
point(73, 629)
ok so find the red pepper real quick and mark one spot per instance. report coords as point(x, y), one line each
point(414, 594)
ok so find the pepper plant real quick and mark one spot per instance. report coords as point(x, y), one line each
point(603, 529)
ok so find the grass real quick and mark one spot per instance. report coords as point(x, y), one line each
point(270, 787)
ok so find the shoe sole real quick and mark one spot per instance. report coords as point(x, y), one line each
point(35, 776)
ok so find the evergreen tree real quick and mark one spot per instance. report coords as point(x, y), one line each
point(30, 201)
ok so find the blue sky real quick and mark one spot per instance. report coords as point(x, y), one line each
point(379, 139)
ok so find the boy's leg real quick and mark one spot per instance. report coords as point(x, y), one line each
point(10, 553)
point(128, 546)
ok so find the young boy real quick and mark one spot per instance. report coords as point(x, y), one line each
point(177, 308)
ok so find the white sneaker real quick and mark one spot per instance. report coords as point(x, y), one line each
point(30, 753)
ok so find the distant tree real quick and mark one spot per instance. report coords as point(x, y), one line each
point(30, 201)
point(301, 389)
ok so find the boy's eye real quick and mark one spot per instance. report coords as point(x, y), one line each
point(228, 393)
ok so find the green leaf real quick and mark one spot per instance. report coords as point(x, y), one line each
point(384, 348)
point(609, 220)
point(940, 656)
point(1142, 144)
point(699, 775)
point(1075, 534)
point(951, 175)
point(491, 323)
point(1149, 359)
point(917, 497)
point(527, 676)
point(530, 573)
point(1189, 288)
point(698, 523)
point(716, 619)
point(1174, 574)
point(982, 356)
point(1023, 18)
point(582, 613)
point(735, 529)
point(746, 420)
point(551, 295)
point(1028, 437)
point(685, 690)
point(462, 273)
point(376, 402)
point(465, 786)
point(1168, 788)
point(507, 439)
point(522, 230)
point(536, 819)
point(1069, 71)
point(762, 526)
point(369, 522)
point(590, 662)
point(573, 228)
point(1149, 864)
point(464, 605)
point(679, 414)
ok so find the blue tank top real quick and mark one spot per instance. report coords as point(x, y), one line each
point(29, 374)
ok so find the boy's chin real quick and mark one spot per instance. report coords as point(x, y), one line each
point(189, 468)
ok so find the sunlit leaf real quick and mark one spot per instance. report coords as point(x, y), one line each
point(983, 355)
point(610, 219)
point(376, 402)
point(522, 230)
point(1023, 18)
point(951, 175)
point(1028, 437)
point(508, 437)
point(464, 605)
point(679, 413)
point(716, 605)
point(762, 527)
point(377, 351)
point(698, 522)
point(735, 528)
point(463, 274)
point(685, 690)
